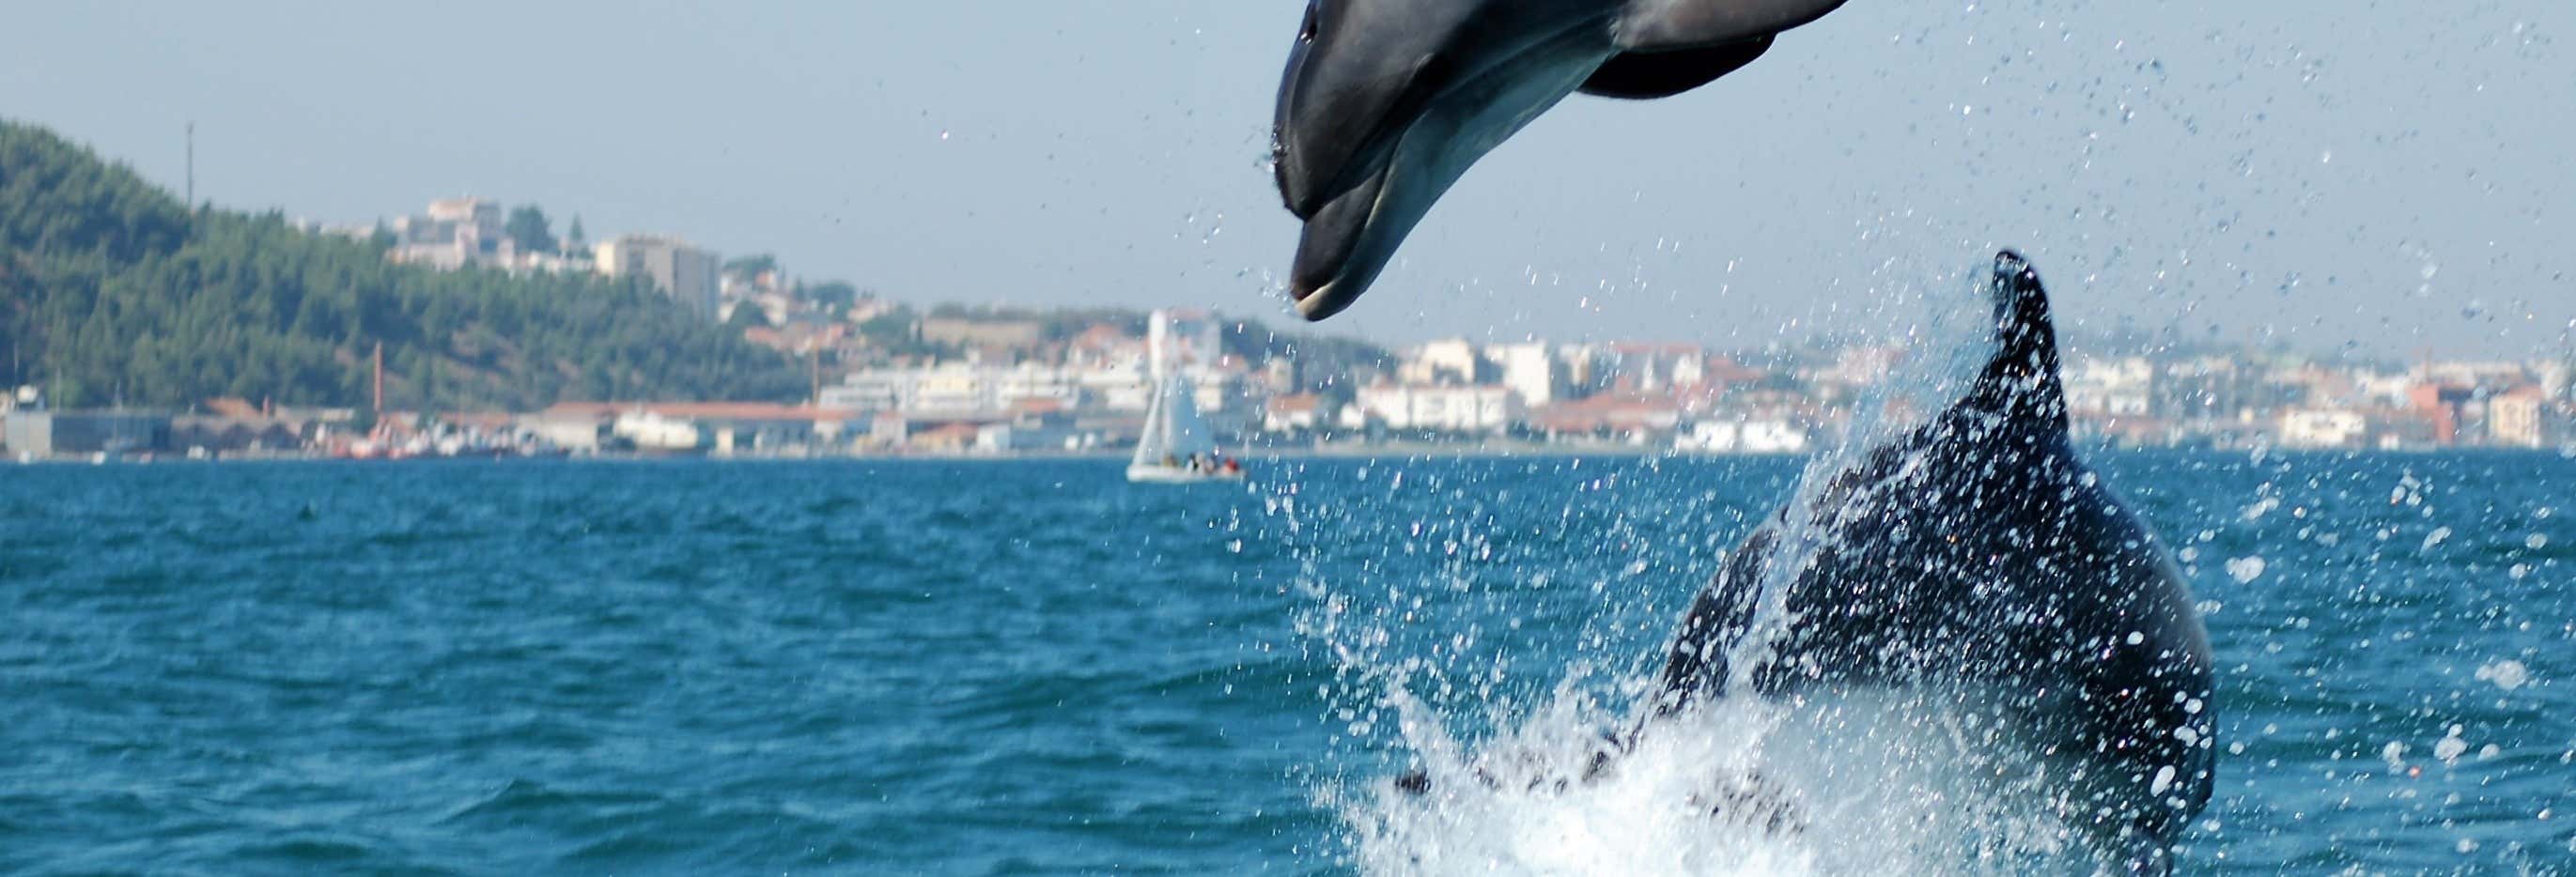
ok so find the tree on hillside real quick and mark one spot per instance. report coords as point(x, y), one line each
point(528, 228)
point(834, 294)
point(894, 329)
point(748, 267)
point(747, 315)
point(573, 238)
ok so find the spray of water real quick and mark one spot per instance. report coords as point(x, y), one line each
point(1849, 782)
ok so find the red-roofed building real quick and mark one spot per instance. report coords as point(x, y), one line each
point(1300, 413)
point(954, 438)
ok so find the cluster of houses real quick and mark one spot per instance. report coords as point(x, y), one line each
point(1014, 389)
point(992, 382)
point(455, 233)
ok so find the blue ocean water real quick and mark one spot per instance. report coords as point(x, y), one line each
point(1034, 667)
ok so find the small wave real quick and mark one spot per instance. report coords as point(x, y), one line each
point(1875, 784)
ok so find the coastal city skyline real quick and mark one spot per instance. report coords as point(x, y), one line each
point(883, 375)
point(997, 381)
point(2225, 180)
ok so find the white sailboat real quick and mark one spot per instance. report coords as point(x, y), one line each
point(1176, 446)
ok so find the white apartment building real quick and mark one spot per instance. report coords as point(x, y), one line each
point(2323, 428)
point(1451, 361)
point(960, 389)
point(1528, 369)
point(2110, 387)
point(453, 233)
point(1759, 436)
point(1441, 408)
point(2514, 418)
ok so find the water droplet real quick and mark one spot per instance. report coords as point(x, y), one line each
point(2245, 569)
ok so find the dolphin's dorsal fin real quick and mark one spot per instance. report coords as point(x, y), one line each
point(2021, 378)
point(1651, 26)
point(1642, 75)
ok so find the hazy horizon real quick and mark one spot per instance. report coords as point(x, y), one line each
point(2293, 173)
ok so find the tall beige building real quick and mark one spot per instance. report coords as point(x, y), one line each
point(683, 272)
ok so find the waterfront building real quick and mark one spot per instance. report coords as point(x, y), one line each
point(2514, 418)
point(1741, 436)
point(1035, 432)
point(574, 431)
point(1296, 414)
point(958, 389)
point(1633, 418)
point(2101, 387)
point(2323, 428)
point(38, 433)
point(1477, 409)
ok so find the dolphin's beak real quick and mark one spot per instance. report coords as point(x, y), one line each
point(1368, 137)
point(1341, 117)
point(1331, 268)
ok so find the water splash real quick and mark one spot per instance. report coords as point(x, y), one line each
point(1841, 784)
point(1883, 782)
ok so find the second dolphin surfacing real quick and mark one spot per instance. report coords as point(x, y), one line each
point(1976, 555)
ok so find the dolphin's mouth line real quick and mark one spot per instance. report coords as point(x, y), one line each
point(1436, 100)
point(1322, 299)
point(1310, 301)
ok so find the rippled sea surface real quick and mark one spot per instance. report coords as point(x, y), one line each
point(1034, 667)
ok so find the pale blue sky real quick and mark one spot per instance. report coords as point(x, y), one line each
point(2282, 169)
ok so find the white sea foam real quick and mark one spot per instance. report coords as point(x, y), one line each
point(1858, 785)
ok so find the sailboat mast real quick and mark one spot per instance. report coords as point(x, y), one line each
point(1158, 333)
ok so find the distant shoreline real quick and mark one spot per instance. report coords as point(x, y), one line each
point(1254, 456)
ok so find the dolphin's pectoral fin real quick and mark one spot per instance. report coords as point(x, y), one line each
point(1596, 765)
point(1672, 25)
point(1718, 619)
point(1644, 75)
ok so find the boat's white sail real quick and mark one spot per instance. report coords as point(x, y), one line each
point(1174, 432)
point(1175, 437)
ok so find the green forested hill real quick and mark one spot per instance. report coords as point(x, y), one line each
point(110, 289)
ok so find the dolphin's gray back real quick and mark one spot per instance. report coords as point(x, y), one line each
point(2014, 576)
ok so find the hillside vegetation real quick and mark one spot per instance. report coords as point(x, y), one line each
point(111, 290)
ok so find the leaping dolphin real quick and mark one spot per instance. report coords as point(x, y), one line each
point(1387, 102)
point(1976, 559)
point(1977, 556)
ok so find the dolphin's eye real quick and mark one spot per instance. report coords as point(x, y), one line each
point(1306, 32)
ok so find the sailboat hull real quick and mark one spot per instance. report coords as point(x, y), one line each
point(1153, 474)
point(1173, 431)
